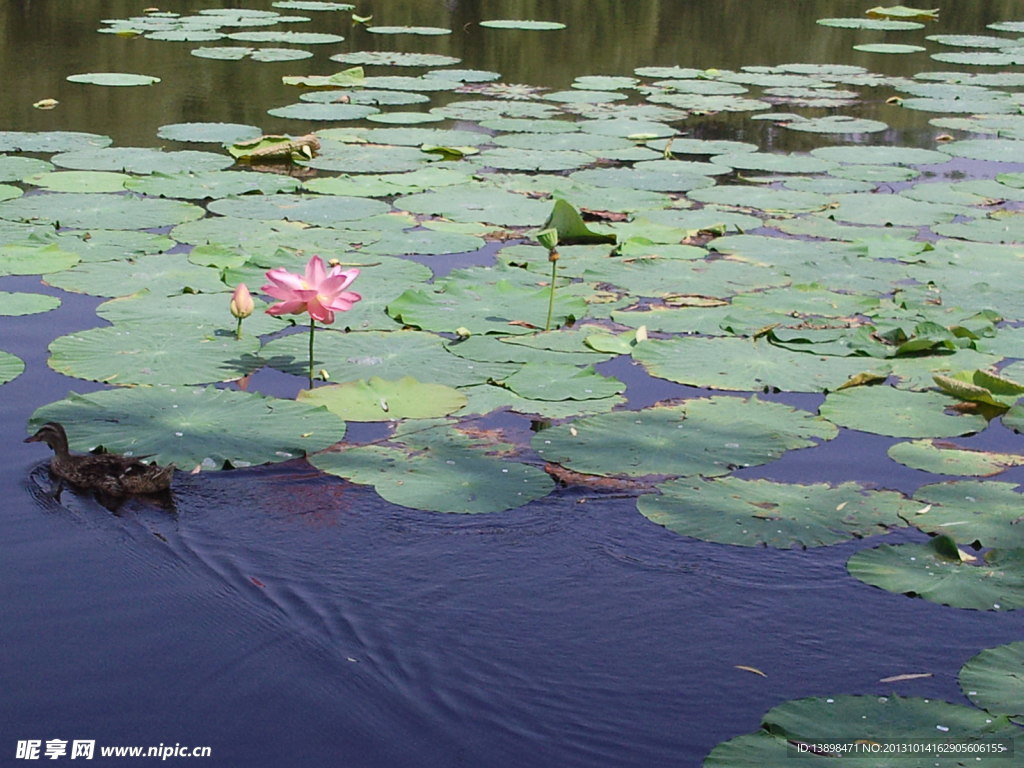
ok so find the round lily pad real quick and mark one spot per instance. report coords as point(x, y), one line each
point(113, 78)
point(212, 184)
point(521, 24)
point(296, 38)
point(836, 124)
point(219, 133)
point(410, 30)
point(132, 355)
point(326, 112)
point(760, 198)
point(192, 427)
point(80, 181)
point(478, 203)
point(86, 211)
point(15, 304)
point(50, 141)
point(10, 367)
point(561, 381)
point(17, 168)
point(898, 413)
point(377, 399)
point(707, 437)
point(315, 209)
point(395, 59)
point(34, 258)
point(862, 23)
point(202, 315)
point(936, 571)
point(888, 48)
point(142, 160)
point(161, 274)
point(992, 680)
point(947, 459)
point(976, 512)
point(443, 470)
point(753, 513)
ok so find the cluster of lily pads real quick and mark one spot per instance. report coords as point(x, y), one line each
point(869, 273)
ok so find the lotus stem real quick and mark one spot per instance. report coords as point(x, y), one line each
point(553, 258)
point(312, 330)
point(238, 329)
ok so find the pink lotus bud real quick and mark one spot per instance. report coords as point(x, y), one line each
point(241, 302)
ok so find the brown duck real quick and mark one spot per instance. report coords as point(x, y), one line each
point(108, 473)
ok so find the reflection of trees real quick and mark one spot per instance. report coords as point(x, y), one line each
point(41, 43)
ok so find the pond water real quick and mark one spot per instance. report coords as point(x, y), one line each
point(283, 616)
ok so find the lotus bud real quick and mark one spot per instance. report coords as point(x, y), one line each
point(463, 332)
point(241, 302)
point(548, 238)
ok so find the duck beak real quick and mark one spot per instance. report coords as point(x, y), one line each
point(34, 439)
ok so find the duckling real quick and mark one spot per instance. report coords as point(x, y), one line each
point(108, 473)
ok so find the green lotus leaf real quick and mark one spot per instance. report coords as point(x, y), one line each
point(161, 274)
point(16, 304)
point(34, 258)
point(754, 513)
point(506, 349)
point(113, 78)
point(296, 38)
point(898, 413)
point(141, 160)
point(707, 437)
point(212, 184)
point(561, 381)
point(442, 470)
point(982, 513)
point(370, 158)
point(14, 168)
point(191, 314)
point(705, 87)
point(9, 192)
point(313, 5)
point(695, 102)
point(85, 211)
point(533, 159)
point(888, 48)
point(856, 23)
point(80, 181)
point(657, 180)
point(50, 141)
point(936, 571)
point(404, 118)
point(218, 133)
point(992, 680)
point(760, 198)
point(944, 458)
point(112, 244)
point(400, 30)
point(982, 387)
point(995, 150)
point(386, 355)
point(193, 427)
point(261, 239)
point(327, 112)
point(1008, 58)
point(10, 367)
point(1008, 228)
point(837, 124)
point(773, 163)
point(844, 720)
point(377, 399)
point(178, 36)
point(745, 365)
point(368, 96)
point(487, 398)
point(132, 355)
point(236, 53)
point(893, 210)
point(424, 242)
point(521, 24)
point(395, 59)
point(303, 208)
point(389, 184)
point(472, 203)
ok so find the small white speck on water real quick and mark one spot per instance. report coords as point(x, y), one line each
point(179, 434)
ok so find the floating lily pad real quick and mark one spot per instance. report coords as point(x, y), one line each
point(363, 158)
point(10, 367)
point(399, 30)
point(191, 314)
point(1007, 58)
point(15, 304)
point(80, 181)
point(836, 124)
point(395, 59)
point(326, 112)
point(992, 680)
point(521, 24)
point(212, 184)
point(219, 133)
point(936, 571)
point(377, 399)
point(34, 258)
point(898, 413)
point(754, 513)
point(237, 53)
point(192, 427)
point(760, 198)
point(309, 209)
point(857, 23)
point(707, 437)
point(113, 78)
point(443, 470)
point(85, 211)
point(313, 5)
point(162, 275)
point(888, 48)
point(50, 141)
point(478, 203)
point(142, 160)
point(17, 168)
point(561, 381)
point(947, 459)
point(296, 38)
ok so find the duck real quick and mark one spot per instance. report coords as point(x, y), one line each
point(110, 474)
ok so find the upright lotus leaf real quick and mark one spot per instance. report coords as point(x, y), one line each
point(872, 721)
point(982, 387)
point(745, 365)
point(944, 458)
point(443, 470)
point(192, 427)
point(936, 571)
point(897, 413)
point(571, 229)
point(17, 304)
point(992, 680)
point(561, 381)
point(377, 399)
point(161, 274)
point(707, 437)
point(88, 211)
point(981, 513)
point(754, 513)
point(386, 355)
point(10, 367)
point(133, 355)
point(492, 307)
point(34, 258)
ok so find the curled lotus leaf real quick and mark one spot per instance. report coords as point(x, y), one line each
point(193, 427)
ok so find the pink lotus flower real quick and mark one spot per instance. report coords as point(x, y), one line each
point(318, 292)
